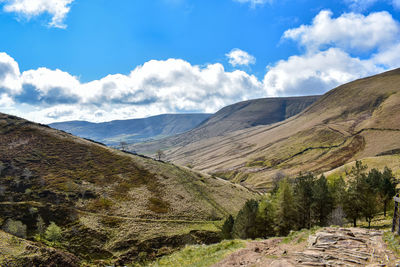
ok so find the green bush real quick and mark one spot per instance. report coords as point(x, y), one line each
point(16, 228)
point(53, 233)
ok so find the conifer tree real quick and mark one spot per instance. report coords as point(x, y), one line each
point(387, 188)
point(303, 193)
point(227, 228)
point(245, 223)
point(264, 220)
point(285, 219)
point(322, 204)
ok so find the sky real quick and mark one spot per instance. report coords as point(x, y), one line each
point(100, 60)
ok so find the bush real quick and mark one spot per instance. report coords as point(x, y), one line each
point(53, 233)
point(16, 228)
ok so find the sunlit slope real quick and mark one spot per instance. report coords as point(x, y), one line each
point(356, 120)
point(105, 200)
point(232, 118)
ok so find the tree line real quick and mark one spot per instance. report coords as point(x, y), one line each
point(309, 200)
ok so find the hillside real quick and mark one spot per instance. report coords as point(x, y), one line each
point(132, 131)
point(235, 117)
point(111, 205)
point(354, 121)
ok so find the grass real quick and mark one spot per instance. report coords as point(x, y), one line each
point(392, 241)
point(199, 255)
point(300, 236)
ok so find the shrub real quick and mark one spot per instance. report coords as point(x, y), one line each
point(53, 233)
point(16, 228)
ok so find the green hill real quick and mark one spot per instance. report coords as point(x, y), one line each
point(111, 205)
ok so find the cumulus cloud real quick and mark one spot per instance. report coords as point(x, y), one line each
point(349, 31)
point(57, 9)
point(316, 72)
point(9, 74)
point(239, 57)
point(156, 87)
point(331, 47)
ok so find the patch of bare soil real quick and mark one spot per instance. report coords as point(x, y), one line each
point(328, 247)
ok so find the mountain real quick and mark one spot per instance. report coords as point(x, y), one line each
point(132, 131)
point(235, 117)
point(112, 207)
point(353, 121)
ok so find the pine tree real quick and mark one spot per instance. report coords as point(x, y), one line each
point(387, 188)
point(353, 204)
point(245, 223)
point(337, 189)
point(303, 193)
point(264, 220)
point(227, 228)
point(322, 204)
point(285, 219)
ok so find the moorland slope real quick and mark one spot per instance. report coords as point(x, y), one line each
point(353, 121)
point(232, 118)
point(112, 206)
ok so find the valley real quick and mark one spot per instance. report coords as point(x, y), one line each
point(354, 121)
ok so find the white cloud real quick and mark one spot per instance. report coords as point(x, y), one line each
point(156, 87)
point(239, 57)
point(9, 74)
point(254, 3)
point(58, 9)
point(330, 58)
point(349, 31)
point(316, 73)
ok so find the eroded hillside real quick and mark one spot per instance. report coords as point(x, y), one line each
point(111, 205)
point(356, 120)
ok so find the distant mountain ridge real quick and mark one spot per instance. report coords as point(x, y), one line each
point(134, 130)
point(242, 115)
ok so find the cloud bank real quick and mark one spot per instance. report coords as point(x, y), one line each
point(155, 87)
point(57, 9)
point(333, 53)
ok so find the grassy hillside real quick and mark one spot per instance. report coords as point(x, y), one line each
point(111, 205)
point(354, 121)
point(133, 131)
point(235, 117)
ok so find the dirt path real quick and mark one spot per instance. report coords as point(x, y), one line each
point(328, 247)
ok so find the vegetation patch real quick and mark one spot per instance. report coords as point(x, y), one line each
point(200, 255)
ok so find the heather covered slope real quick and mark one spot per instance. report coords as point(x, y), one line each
point(235, 117)
point(110, 205)
point(356, 120)
point(133, 131)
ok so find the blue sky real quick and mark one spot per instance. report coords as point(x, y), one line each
point(100, 60)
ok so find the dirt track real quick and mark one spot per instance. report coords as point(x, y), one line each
point(328, 247)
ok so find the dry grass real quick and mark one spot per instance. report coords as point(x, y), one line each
point(354, 121)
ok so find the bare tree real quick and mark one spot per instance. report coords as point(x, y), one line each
point(123, 145)
point(160, 154)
